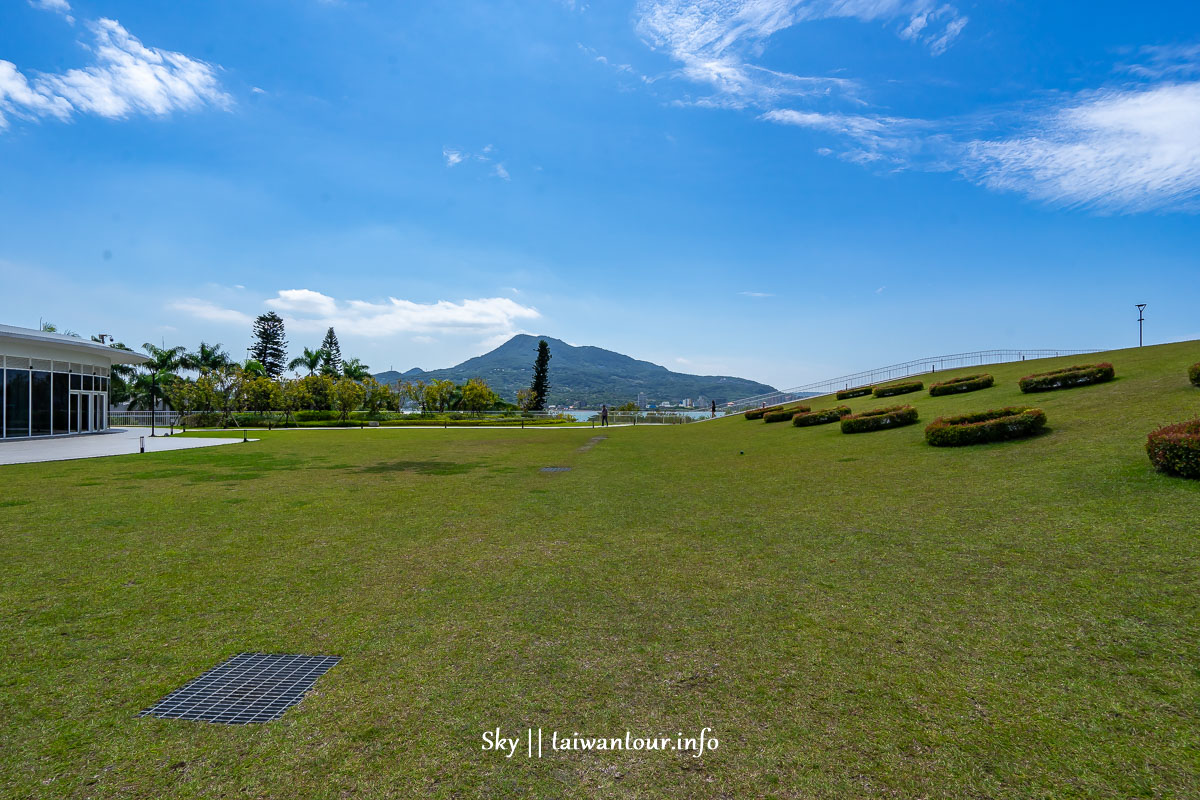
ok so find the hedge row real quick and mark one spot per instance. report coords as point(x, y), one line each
point(967, 383)
point(861, 391)
point(1175, 449)
point(879, 418)
point(1194, 374)
point(822, 417)
point(784, 414)
point(1068, 377)
point(758, 413)
point(898, 388)
point(997, 425)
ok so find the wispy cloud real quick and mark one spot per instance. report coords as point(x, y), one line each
point(715, 40)
point(453, 156)
point(1165, 61)
point(208, 311)
point(127, 78)
point(57, 6)
point(756, 294)
point(1123, 150)
point(312, 311)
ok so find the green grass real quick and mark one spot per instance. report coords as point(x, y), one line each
point(853, 616)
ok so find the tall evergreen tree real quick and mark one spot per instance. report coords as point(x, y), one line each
point(331, 362)
point(541, 377)
point(269, 348)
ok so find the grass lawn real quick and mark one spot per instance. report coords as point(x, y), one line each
point(852, 616)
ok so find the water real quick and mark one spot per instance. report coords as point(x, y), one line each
point(583, 415)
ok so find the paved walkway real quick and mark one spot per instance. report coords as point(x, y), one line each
point(118, 442)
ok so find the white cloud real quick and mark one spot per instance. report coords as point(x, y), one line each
point(1166, 61)
point(203, 309)
point(1127, 150)
point(56, 6)
point(756, 294)
point(307, 310)
point(714, 40)
point(126, 78)
point(500, 172)
point(452, 157)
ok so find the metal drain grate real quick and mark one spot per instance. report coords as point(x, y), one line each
point(250, 687)
point(555, 469)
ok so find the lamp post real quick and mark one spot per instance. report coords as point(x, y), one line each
point(1140, 307)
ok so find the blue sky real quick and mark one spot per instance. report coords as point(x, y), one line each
point(785, 190)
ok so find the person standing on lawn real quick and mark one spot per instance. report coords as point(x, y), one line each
point(604, 415)
point(714, 409)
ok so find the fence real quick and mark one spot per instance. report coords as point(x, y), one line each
point(918, 367)
point(168, 419)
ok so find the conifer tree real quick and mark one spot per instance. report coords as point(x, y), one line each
point(541, 377)
point(331, 362)
point(269, 348)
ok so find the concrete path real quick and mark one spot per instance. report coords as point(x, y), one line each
point(115, 443)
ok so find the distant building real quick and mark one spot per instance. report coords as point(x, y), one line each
point(641, 401)
point(687, 402)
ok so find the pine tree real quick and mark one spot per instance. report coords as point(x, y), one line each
point(331, 361)
point(541, 377)
point(269, 348)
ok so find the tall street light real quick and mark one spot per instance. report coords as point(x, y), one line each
point(1140, 307)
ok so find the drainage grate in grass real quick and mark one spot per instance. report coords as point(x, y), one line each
point(249, 687)
point(555, 469)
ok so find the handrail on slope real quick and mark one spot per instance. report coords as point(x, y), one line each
point(918, 366)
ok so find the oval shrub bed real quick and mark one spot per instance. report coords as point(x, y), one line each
point(822, 417)
point(967, 383)
point(997, 425)
point(898, 388)
point(861, 391)
point(784, 414)
point(1194, 374)
point(1175, 449)
point(879, 418)
point(1067, 377)
point(757, 413)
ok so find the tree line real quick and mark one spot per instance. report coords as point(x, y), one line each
point(223, 386)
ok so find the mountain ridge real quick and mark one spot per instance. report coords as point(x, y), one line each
point(583, 375)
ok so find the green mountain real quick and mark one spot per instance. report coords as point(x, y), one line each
point(584, 376)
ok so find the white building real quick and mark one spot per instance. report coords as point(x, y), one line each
point(53, 384)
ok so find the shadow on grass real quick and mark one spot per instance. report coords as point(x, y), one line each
point(421, 467)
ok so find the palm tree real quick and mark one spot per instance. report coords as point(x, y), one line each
point(147, 389)
point(254, 368)
point(311, 360)
point(206, 358)
point(164, 359)
point(159, 370)
point(355, 370)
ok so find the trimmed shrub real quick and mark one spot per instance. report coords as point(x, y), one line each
point(997, 425)
point(967, 383)
point(758, 413)
point(313, 416)
point(822, 417)
point(1175, 449)
point(898, 388)
point(784, 414)
point(861, 391)
point(879, 418)
point(1194, 374)
point(1067, 377)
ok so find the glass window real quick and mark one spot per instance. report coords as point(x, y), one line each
point(16, 402)
point(74, 413)
point(87, 382)
point(40, 400)
point(77, 381)
point(61, 399)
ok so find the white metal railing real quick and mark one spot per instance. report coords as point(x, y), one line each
point(919, 366)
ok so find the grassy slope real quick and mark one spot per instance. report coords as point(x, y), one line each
point(855, 616)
